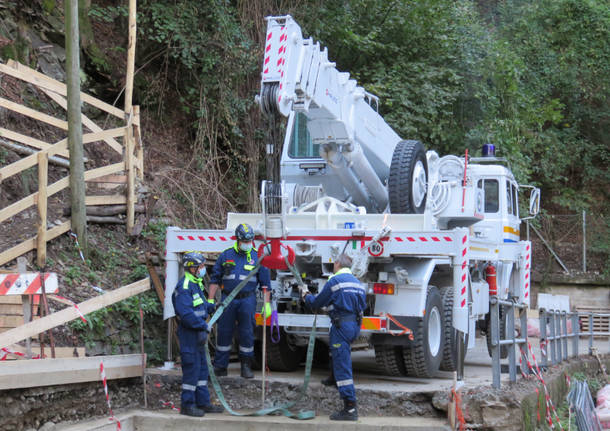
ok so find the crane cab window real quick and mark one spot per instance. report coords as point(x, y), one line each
point(301, 146)
point(509, 199)
point(491, 190)
point(515, 193)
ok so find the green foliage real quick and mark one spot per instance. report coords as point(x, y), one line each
point(108, 13)
point(155, 231)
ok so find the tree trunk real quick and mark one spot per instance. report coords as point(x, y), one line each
point(75, 129)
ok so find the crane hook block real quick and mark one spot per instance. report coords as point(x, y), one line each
point(271, 256)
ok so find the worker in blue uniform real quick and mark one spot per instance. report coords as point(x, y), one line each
point(231, 268)
point(191, 311)
point(345, 298)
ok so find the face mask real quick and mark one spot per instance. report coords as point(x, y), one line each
point(201, 273)
point(245, 246)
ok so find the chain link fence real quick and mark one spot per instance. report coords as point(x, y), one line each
point(571, 243)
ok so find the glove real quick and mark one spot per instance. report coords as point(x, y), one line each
point(210, 306)
point(304, 291)
point(202, 337)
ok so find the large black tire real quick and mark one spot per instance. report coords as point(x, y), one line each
point(503, 349)
point(423, 357)
point(450, 356)
point(408, 181)
point(284, 356)
point(390, 360)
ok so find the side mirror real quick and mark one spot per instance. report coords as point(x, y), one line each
point(534, 201)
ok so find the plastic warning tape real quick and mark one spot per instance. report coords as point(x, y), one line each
point(169, 404)
point(82, 316)
point(112, 417)
point(7, 352)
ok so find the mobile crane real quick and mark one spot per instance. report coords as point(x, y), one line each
point(428, 235)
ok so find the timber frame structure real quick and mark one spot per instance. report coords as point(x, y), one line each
point(131, 164)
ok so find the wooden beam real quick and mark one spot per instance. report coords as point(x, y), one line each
point(32, 113)
point(129, 167)
point(41, 238)
point(35, 373)
point(28, 140)
point(86, 121)
point(30, 161)
point(131, 56)
point(30, 244)
point(19, 71)
point(60, 352)
point(51, 321)
point(106, 200)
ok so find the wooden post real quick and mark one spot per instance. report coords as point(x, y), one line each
point(131, 200)
point(41, 238)
point(75, 127)
point(138, 142)
point(131, 56)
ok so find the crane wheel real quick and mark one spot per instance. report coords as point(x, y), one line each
point(423, 357)
point(390, 360)
point(408, 181)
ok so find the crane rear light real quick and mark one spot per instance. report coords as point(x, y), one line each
point(383, 288)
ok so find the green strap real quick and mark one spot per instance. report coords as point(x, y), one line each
point(281, 408)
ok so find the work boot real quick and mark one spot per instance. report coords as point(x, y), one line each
point(192, 411)
point(220, 372)
point(349, 412)
point(329, 381)
point(212, 408)
point(246, 371)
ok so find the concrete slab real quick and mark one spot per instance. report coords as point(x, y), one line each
point(137, 420)
point(368, 377)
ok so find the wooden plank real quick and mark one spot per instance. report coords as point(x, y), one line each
point(30, 244)
point(138, 140)
point(10, 299)
point(31, 160)
point(41, 238)
point(20, 71)
point(18, 206)
point(51, 321)
point(11, 309)
point(32, 113)
point(14, 321)
point(111, 179)
point(28, 140)
point(131, 56)
point(60, 352)
point(86, 121)
point(35, 373)
point(18, 250)
point(129, 167)
point(105, 200)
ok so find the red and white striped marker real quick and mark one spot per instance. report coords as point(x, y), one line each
point(112, 417)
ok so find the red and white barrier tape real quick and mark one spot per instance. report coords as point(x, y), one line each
point(82, 316)
point(169, 404)
point(112, 417)
point(550, 407)
point(11, 352)
point(73, 235)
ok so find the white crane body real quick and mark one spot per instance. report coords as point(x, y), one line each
point(422, 229)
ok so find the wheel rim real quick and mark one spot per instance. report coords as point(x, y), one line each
point(418, 183)
point(434, 331)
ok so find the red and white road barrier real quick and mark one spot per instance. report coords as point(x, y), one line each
point(28, 283)
point(112, 417)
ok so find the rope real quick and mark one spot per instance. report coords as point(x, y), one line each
point(283, 408)
point(405, 330)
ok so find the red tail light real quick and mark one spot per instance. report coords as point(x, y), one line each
point(383, 288)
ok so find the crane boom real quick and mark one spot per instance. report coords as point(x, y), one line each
point(342, 117)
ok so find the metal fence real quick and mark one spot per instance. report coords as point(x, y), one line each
point(555, 339)
point(572, 243)
point(583, 407)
